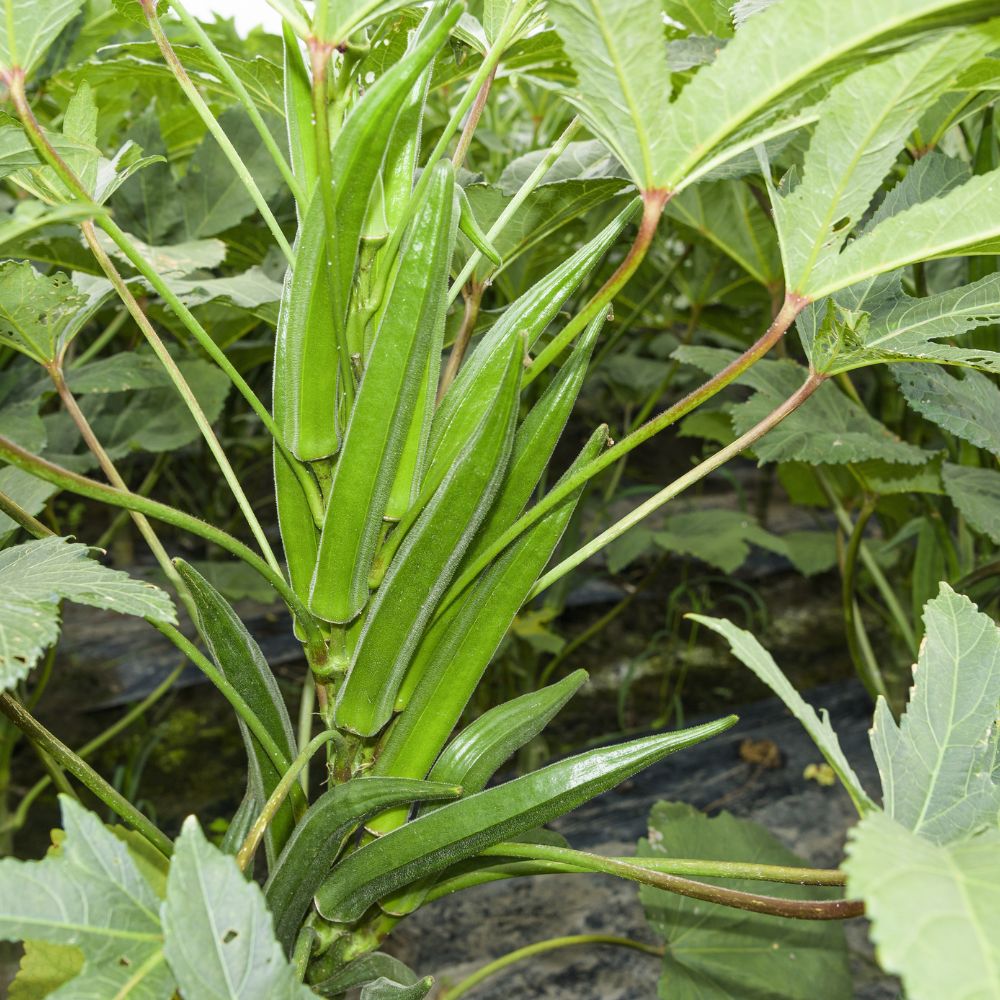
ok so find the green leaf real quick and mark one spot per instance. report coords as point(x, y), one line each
point(122, 372)
point(757, 83)
point(211, 196)
point(701, 17)
point(29, 27)
point(967, 406)
point(864, 123)
point(35, 576)
point(241, 661)
point(934, 908)
point(219, 937)
point(89, 895)
point(976, 493)
point(462, 829)
point(29, 492)
point(367, 969)
point(36, 309)
point(936, 763)
point(623, 81)
point(727, 215)
point(722, 538)
point(44, 968)
point(387, 989)
point(965, 221)
point(829, 428)
point(909, 329)
point(752, 654)
point(713, 952)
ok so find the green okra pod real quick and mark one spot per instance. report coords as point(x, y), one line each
point(462, 829)
point(411, 331)
point(426, 561)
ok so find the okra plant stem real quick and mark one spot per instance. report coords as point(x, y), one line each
point(539, 948)
point(691, 867)
point(512, 207)
point(249, 106)
point(218, 133)
point(475, 113)
point(20, 516)
point(114, 477)
point(773, 334)
point(634, 870)
point(50, 744)
point(278, 796)
point(720, 458)
point(653, 203)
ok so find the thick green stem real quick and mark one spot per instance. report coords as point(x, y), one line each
point(137, 711)
point(512, 207)
point(652, 208)
point(539, 948)
point(278, 796)
point(83, 772)
point(20, 516)
point(213, 126)
point(82, 486)
point(582, 861)
point(226, 72)
point(635, 870)
point(671, 415)
point(720, 458)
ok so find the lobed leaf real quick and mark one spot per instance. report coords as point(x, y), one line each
point(976, 494)
point(36, 576)
point(936, 764)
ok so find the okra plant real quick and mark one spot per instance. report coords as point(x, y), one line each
point(411, 456)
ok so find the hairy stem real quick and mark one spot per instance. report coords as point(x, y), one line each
point(213, 126)
point(539, 948)
point(652, 208)
point(635, 870)
point(473, 298)
point(20, 516)
point(83, 772)
point(475, 113)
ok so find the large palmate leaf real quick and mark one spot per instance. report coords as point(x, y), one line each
point(976, 494)
point(934, 908)
point(35, 576)
point(220, 940)
point(936, 764)
point(828, 428)
point(967, 405)
point(864, 123)
point(623, 81)
point(752, 654)
point(90, 895)
point(29, 27)
point(35, 309)
point(964, 221)
point(714, 953)
point(701, 17)
point(755, 85)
